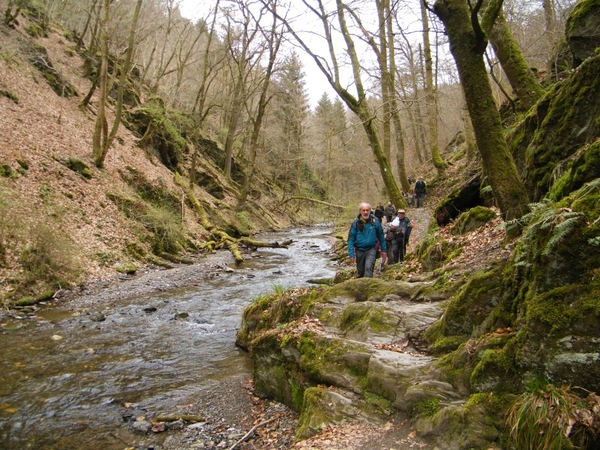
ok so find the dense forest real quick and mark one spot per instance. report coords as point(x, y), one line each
point(131, 134)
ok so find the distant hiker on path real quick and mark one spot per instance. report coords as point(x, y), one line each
point(420, 191)
point(379, 212)
point(390, 211)
point(364, 237)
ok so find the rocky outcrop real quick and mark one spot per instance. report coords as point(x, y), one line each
point(583, 30)
point(346, 352)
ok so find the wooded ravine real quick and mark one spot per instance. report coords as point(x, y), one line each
point(131, 136)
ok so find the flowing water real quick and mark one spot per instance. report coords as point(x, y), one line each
point(65, 377)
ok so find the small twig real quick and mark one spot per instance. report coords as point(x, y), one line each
point(249, 433)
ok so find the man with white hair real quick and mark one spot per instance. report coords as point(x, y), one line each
point(364, 237)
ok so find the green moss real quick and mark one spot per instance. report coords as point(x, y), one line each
point(443, 344)
point(126, 268)
point(468, 309)
point(161, 129)
point(473, 219)
point(297, 391)
point(426, 407)
point(242, 223)
point(563, 129)
point(372, 315)
point(39, 58)
point(434, 255)
point(36, 30)
point(27, 301)
point(382, 404)
point(80, 167)
point(322, 356)
point(6, 171)
point(583, 167)
point(9, 95)
point(561, 309)
point(311, 413)
point(496, 371)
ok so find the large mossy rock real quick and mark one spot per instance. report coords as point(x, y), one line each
point(324, 407)
point(354, 337)
point(536, 315)
point(555, 135)
point(582, 30)
point(458, 427)
point(473, 219)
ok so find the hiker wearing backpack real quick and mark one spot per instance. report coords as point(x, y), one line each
point(364, 238)
point(401, 227)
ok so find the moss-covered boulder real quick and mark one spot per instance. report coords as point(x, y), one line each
point(535, 315)
point(458, 427)
point(39, 58)
point(581, 168)
point(553, 133)
point(323, 407)
point(468, 313)
point(356, 346)
point(582, 30)
point(159, 131)
point(473, 219)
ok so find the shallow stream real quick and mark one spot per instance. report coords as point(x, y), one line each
point(66, 376)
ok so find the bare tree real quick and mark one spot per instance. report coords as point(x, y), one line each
point(273, 38)
point(102, 139)
point(100, 136)
point(522, 79)
point(244, 58)
point(430, 90)
point(358, 103)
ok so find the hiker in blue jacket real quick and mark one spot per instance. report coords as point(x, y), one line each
point(364, 240)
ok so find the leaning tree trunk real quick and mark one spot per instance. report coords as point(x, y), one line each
point(467, 44)
point(522, 79)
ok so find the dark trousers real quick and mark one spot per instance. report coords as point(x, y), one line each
point(420, 199)
point(365, 262)
point(398, 249)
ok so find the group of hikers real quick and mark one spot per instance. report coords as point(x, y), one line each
point(383, 232)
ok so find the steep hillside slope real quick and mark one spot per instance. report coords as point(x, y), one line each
point(61, 218)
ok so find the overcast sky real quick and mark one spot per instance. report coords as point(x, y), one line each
point(316, 83)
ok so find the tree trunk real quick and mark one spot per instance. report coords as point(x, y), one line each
point(469, 134)
point(357, 104)
point(467, 44)
point(123, 77)
point(522, 79)
point(394, 108)
point(430, 96)
point(101, 126)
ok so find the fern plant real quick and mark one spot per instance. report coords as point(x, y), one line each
point(544, 217)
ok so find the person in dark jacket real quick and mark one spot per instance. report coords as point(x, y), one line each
point(379, 212)
point(390, 211)
point(420, 191)
point(364, 238)
point(401, 226)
